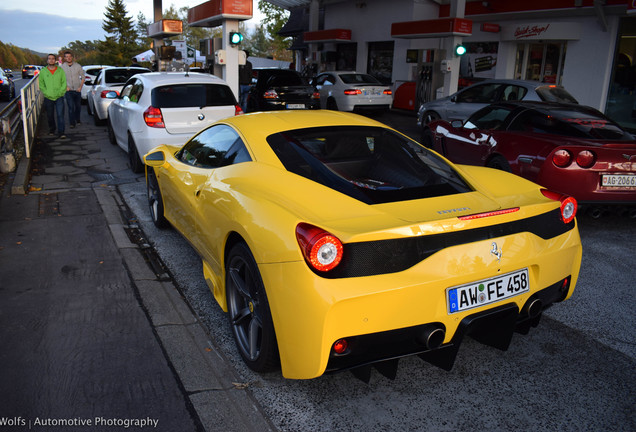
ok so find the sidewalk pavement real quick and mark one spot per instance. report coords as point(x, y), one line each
point(95, 336)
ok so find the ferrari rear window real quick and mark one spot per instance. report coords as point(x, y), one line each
point(192, 95)
point(371, 164)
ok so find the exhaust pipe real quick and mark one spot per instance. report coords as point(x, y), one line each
point(432, 337)
point(596, 212)
point(533, 308)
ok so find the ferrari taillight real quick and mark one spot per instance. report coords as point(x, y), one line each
point(154, 118)
point(562, 158)
point(568, 204)
point(321, 249)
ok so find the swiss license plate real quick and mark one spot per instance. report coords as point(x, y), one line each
point(487, 291)
point(618, 180)
point(295, 106)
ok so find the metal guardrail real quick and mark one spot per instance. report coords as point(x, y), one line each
point(10, 122)
point(32, 100)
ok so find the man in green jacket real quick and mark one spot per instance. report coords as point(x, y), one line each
point(53, 86)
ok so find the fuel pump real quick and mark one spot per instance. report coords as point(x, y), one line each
point(429, 77)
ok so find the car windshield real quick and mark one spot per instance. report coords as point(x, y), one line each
point(555, 94)
point(359, 79)
point(192, 95)
point(120, 76)
point(371, 164)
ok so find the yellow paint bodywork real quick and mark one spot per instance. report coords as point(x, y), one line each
point(260, 203)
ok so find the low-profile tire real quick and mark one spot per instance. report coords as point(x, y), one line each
point(248, 311)
point(499, 162)
point(427, 138)
point(155, 202)
point(97, 120)
point(136, 164)
point(332, 104)
point(111, 134)
point(430, 116)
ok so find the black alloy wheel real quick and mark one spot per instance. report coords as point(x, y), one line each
point(155, 202)
point(248, 310)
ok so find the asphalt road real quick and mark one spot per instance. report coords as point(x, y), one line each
point(575, 372)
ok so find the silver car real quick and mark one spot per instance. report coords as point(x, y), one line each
point(460, 105)
point(91, 73)
point(105, 88)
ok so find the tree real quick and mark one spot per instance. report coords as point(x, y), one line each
point(142, 31)
point(275, 18)
point(121, 32)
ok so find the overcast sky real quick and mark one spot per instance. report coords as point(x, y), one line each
point(46, 26)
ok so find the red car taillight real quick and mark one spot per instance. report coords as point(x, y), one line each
point(270, 94)
point(585, 159)
point(105, 92)
point(388, 92)
point(322, 250)
point(562, 158)
point(352, 92)
point(568, 204)
point(315, 95)
point(238, 110)
point(154, 118)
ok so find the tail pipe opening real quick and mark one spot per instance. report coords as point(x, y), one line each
point(533, 308)
point(432, 337)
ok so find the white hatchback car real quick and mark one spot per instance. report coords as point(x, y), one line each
point(91, 73)
point(352, 91)
point(166, 108)
point(106, 88)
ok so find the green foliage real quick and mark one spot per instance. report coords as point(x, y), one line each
point(275, 18)
point(13, 57)
point(122, 35)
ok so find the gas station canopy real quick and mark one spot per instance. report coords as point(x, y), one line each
point(213, 12)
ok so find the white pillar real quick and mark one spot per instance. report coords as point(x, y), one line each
point(230, 70)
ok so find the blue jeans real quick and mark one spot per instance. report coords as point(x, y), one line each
point(55, 109)
point(244, 89)
point(74, 103)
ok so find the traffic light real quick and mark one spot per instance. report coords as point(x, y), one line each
point(460, 50)
point(235, 38)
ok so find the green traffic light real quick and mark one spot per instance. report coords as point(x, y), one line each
point(236, 38)
point(460, 50)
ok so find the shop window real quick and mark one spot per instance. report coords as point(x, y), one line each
point(380, 61)
point(621, 102)
point(541, 62)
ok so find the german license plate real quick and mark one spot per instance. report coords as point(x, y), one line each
point(295, 106)
point(487, 291)
point(618, 180)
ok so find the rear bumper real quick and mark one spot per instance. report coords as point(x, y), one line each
point(311, 313)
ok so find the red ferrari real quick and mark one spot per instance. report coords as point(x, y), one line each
point(573, 149)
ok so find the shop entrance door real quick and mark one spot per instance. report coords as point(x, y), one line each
point(540, 61)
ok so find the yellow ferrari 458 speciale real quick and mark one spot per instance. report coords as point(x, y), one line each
point(334, 242)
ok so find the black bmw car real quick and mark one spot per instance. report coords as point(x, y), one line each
point(280, 89)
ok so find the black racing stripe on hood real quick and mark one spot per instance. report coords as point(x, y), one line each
point(395, 255)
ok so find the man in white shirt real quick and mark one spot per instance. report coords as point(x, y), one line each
point(74, 81)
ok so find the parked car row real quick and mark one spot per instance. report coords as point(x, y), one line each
point(7, 87)
point(357, 216)
point(536, 131)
